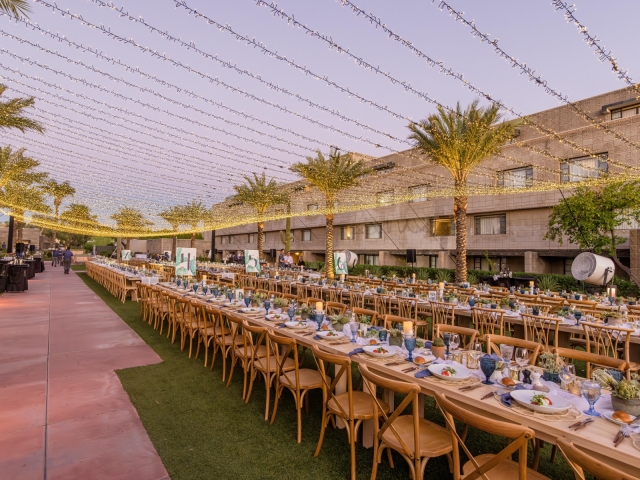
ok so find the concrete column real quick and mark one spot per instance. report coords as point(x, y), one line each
point(533, 263)
point(392, 260)
point(445, 261)
point(634, 250)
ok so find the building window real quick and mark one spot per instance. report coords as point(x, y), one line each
point(632, 224)
point(502, 264)
point(416, 191)
point(433, 261)
point(624, 113)
point(477, 263)
point(251, 238)
point(369, 259)
point(383, 168)
point(384, 198)
point(516, 178)
point(491, 225)
point(312, 207)
point(232, 239)
point(373, 230)
point(306, 235)
point(567, 265)
point(581, 168)
point(223, 240)
point(348, 233)
point(443, 227)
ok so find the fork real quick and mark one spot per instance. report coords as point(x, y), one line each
point(624, 432)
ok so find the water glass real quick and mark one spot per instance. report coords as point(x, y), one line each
point(591, 391)
point(354, 327)
point(446, 337)
point(267, 305)
point(455, 341)
point(488, 366)
point(410, 345)
point(247, 301)
point(522, 357)
point(230, 296)
point(506, 352)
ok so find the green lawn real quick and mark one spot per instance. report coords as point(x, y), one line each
point(201, 429)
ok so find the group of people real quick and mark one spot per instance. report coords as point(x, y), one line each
point(62, 257)
point(285, 260)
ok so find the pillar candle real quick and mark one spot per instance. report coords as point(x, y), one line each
point(441, 285)
point(407, 328)
point(318, 306)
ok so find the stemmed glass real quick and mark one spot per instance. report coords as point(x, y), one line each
point(354, 326)
point(247, 300)
point(230, 296)
point(567, 374)
point(291, 311)
point(591, 391)
point(447, 340)
point(319, 319)
point(506, 352)
point(455, 341)
point(488, 366)
point(410, 344)
point(195, 288)
point(475, 354)
point(522, 357)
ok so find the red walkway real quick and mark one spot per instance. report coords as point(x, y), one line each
point(63, 411)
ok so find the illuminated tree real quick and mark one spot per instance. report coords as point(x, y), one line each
point(459, 141)
point(22, 197)
point(15, 8)
point(331, 176)
point(173, 216)
point(59, 191)
point(130, 222)
point(259, 194)
point(192, 214)
point(11, 111)
point(16, 167)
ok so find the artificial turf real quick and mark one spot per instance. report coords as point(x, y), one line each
point(202, 429)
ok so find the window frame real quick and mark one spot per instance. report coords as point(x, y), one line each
point(528, 173)
point(565, 171)
point(381, 197)
point(305, 230)
point(425, 187)
point(353, 232)
point(452, 227)
point(223, 240)
point(251, 237)
point(366, 231)
point(477, 223)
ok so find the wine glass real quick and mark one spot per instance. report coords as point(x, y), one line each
point(446, 337)
point(267, 305)
point(354, 326)
point(567, 374)
point(319, 319)
point(291, 311)
point(410, 345)
point(195, 288)
point(591, 391)
point(522, 357)
point(506, 352)
point(230, 296)
point(455, 341)
point(488, 366)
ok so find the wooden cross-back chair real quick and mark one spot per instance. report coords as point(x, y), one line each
point(335, 308)
point(285, 285)
point(273, 284)
point(298, 381)
point(441, 312)
point(239, 352)
point(541, 329)
point(316, 291)
point(206, 329)
point(609, 341)
point(403, 433)
point(488, 320)
point(468, 336)
point(394, 321)
point(352, 406)
point(225, 339)
point(494, 342)
point(591, 359)
point(381, 303)
point(407, 307)
point(334, 294)
point(554, 302)
point(488, 466)
point(364, 311)
point(580, 461)
point(356, 298)
point(311, 301)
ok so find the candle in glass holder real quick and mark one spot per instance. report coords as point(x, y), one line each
point(441, 285)
point(531, 283)
point(204, 278)
point(318, 306)
point(407, 328)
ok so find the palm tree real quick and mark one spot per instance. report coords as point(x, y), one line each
point(15, 166)
point(192, 214)
point(259, 194)
point(15, 8)
point(130, 222)
point(459, 141)
point(173, 216)
point(11, 112)
point(59, 191)
point(331, 176)
point(77, 218)
point(21, 197)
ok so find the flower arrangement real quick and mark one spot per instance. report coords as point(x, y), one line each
point(623, 389)
point(340, 318)
point(280, 302)
point(258, 297)
point(550, 362)
point(394, 332)
point(304, 309)
point(438, 342)
point(365, 319)
point(504, 302)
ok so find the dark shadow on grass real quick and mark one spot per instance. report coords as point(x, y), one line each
point(201, 429)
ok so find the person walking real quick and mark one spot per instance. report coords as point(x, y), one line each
point(67, 257)
point(55, 256)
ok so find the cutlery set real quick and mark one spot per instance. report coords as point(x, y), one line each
point(581, 424)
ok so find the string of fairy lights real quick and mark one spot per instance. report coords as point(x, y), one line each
point(154, 165)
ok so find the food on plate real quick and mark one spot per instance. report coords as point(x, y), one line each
point(380, 350)
point(324, 327)
point(373, 341)
point(541, 400)
point(507, 382)
point(622, 416)
point(332, 334)
point(276, 316)
point(419, 360)
point(448, 372)
point(301, 323)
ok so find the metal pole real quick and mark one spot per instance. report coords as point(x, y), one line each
point(10, 239)
point(213, 245)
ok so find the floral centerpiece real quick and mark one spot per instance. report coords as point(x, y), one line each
point(304, 311)
point(257, 298)
point(551, 364)
point(625, 394)
point(339, 321)
point(437, 348)
point(280, 302)
point(395, 337)
point(364, 319)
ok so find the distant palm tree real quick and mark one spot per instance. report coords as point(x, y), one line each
point(15, 166)
point(130, 222)
point(22, 197)
point(11, 113)
point(192, 214)
point(59, 191)
point(259, 194)
point(459, 141)
point(78, 215)
point(331, 176)
point(15, 8)
point(173, 216)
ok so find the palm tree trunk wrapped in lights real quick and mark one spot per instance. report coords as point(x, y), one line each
point(260, 238)
point(331, 176)
point(459, 141)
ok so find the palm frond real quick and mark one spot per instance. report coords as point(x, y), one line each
point(15, 8)
point(11, 112)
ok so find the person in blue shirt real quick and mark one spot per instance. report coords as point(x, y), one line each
point(67, 257)
point(55, 258)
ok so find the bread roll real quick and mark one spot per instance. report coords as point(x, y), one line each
point(507, 382)
point(419, 360)
point(622, 416)
point(373, 341)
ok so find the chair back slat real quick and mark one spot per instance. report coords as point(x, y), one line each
point(541, 329)
point(488, 320)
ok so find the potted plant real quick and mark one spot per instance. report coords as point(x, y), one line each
point(612, 318)
point(395, 337)
point(619, 301)
point(339, 321)
point(305, 311)
point(631, 301)
point(625, 394)
point(504, 302)
point(438, 349)
point(365, 319)
point(551, 365)
point(279, 302)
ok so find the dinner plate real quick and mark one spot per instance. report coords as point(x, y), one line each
point(608, 415)
point(428, 359)
point(296, 325)
point(274, 317)
point(388, 351)
point(330, 334)
point(462, 373)
point(251, 310)
point(559, 404)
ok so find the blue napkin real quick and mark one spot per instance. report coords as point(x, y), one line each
point(317, 337)
point(357, 350)
point(506, 399)
point(282, 326)
point(426, 372)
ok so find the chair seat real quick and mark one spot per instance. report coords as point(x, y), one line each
point(229, 340)
point(362, 405)
point(261, 364)
point(506, 470)
point(261, 352)
point(434, 439)
point(308, 378)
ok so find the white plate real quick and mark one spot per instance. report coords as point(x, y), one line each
point(274, 317)
point(370, 350)
point(523, 397)
point(607, 414)
point(295, 325)
point(251, 310)
point(428, 359)
point(462, 373)
point(325, 333)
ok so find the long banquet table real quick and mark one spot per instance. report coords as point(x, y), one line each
point(596, 439)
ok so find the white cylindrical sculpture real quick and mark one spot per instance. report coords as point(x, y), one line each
point(592, 268)
point(351, 257)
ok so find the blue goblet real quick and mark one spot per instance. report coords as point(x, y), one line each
point(230, 296)
point(267, 305)
point(472, 302)
point(410, 345)
point(216, 292)
point(488, 366)
point(291, 311)
point(205, 289)
point(195, 288)
point(379, 289)
point(591, 391)
point(247, 301)
point(178, 282)
point(319, 317)
point(354, 326)
point(447, 340)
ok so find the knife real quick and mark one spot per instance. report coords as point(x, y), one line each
point(583, 424)
point(487, 396)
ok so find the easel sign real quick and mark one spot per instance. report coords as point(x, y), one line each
point(186, 262)
point(252, 261)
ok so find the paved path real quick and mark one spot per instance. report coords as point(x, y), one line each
point(63, 411)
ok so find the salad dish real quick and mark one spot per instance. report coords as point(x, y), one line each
point(454, 372)
point(380, 351)
point(541, 402)
point(330, 334)
point(296, 325)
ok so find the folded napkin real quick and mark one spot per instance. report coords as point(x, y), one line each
point(357, 350)
point(426, 372)
point(506, 399)
point(317, 337)
point(282, 326)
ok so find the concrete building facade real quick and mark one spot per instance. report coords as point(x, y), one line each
point(508, 229)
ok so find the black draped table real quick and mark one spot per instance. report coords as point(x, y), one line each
point(31, 268)
point(13, 278)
